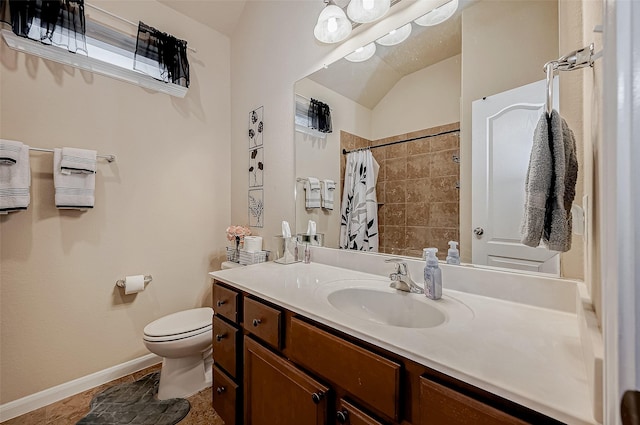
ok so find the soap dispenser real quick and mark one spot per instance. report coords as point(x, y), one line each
point(453, 256)
point(432, 275)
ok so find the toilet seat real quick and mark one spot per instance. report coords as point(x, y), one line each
point(180, 325)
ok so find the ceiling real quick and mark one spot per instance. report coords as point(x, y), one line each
point(221, 15)
point(368, 82)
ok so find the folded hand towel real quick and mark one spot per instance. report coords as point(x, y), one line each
point(15, 181)
point(9, 151)
point(81, 161)
point(73, 191)
point(328, 187)
point(312, 192)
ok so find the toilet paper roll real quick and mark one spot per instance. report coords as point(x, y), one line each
point(133, 284)
point(252, 243)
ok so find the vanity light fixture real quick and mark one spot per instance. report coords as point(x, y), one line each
point(365, 11)
point(438, 15)
point(362, 54)
point(396, 36)
point(333, 25)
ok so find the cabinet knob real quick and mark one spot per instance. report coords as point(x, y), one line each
point(317, 397)
point(342, 416)
point(220, 390)
point(256, 322)
point(220, 337)
point(220, 303)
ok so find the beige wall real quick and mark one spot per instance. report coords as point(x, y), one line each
point(493, 60)
point(321, 157)
point(161, 209)
point(424, 99)
point(267, 59)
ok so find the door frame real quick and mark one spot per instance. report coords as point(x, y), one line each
point(620, 204)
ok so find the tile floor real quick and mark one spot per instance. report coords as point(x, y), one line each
point(71, 409)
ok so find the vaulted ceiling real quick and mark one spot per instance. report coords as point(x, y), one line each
point(221, 15)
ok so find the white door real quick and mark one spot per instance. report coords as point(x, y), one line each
point(502, 136)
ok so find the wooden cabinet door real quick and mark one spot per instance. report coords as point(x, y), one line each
point(278, 393)
point(349, 414)
point(440, 405)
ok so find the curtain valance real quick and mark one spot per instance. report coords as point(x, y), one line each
point(57, 22)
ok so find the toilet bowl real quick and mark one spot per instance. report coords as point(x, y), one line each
point(183, 340)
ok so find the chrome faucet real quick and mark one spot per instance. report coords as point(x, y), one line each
point(401, 279)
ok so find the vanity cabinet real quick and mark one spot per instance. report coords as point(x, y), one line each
point(263, 321)
point(291, 370)
point(277, 392)
point(227, 354)
point(441, 405)
point(347, 413)
point(363, 374)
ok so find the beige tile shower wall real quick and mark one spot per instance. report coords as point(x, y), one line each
point(417, 194)
point(160, 209)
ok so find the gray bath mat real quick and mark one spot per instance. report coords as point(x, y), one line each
point(135, 403)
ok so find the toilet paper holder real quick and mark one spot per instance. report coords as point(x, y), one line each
point(147, 278)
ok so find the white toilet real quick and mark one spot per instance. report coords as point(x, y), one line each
point(183, 339)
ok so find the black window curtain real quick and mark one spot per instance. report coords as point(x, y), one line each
point(320, 116)
point(168, 52)
point(56, 22)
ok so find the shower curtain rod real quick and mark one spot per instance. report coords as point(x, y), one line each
point(344, 151)
point(113, 15)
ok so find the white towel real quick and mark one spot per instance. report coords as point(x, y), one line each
point(81, 161)
point(73, 191)
point(312, 192)
point(328, 187)
point(9, 151)
point(15, 181)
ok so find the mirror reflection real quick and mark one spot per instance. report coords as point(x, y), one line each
point(421, 108)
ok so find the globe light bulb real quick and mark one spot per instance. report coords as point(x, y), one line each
point(332, 25)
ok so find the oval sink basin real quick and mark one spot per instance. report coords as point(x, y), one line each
point(388, 308)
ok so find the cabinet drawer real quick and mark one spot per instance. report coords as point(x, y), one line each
point(225, 397)
point(225, 341)
point(263, 321)
point(225, 302)
point(349, 414)
point(442, 405)
point(367, 376)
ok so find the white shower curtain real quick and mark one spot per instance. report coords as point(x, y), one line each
point(359, 209)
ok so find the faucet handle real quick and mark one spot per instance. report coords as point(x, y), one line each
point(401, 266)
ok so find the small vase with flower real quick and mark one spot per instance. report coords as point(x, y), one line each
point(236, 234)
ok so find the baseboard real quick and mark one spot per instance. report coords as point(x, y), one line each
point(51, 395)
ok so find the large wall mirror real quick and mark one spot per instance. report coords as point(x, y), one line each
point(448, 115)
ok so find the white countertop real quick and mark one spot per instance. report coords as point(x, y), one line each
point(526, 354)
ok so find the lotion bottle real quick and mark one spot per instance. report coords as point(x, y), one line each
point(432, 275)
